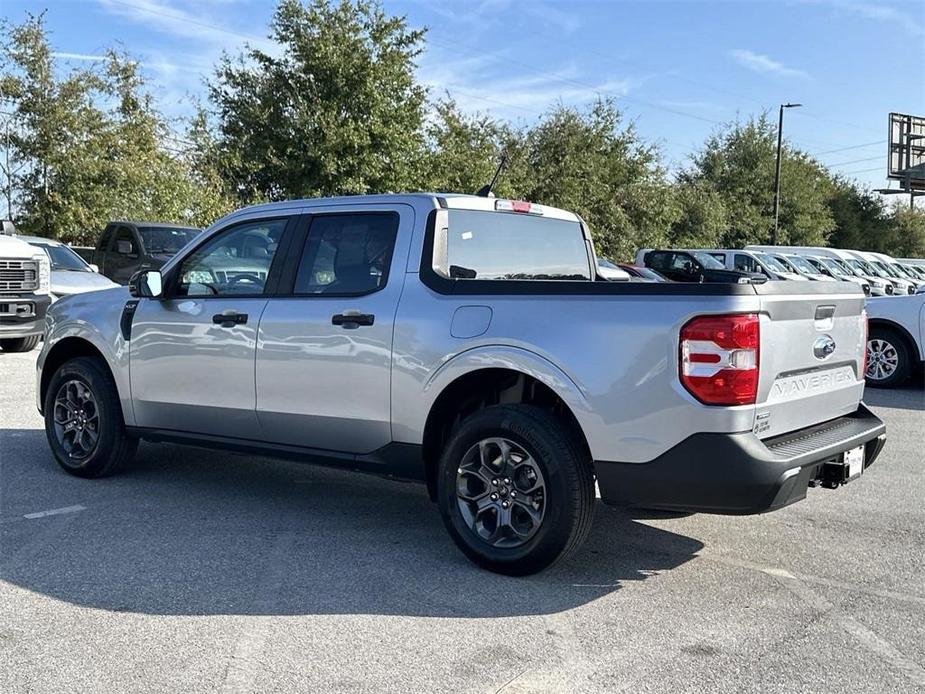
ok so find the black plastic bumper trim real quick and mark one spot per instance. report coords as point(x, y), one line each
point(739, 474)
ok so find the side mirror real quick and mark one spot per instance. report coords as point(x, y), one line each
point(95, 267)
point(146, 284)
point(123, 247)
point(612, 274)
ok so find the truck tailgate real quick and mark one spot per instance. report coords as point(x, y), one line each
point(812, 352)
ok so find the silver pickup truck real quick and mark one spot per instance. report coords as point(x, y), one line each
point(467, 343)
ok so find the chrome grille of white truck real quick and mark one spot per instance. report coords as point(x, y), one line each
point(19, 275)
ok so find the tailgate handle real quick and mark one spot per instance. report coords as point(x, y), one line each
point(824, 317)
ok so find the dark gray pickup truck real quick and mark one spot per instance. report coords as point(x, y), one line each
point(124, 248)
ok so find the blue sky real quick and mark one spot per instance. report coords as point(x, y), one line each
point(677, 69)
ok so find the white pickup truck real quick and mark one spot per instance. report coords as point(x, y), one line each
point(470, 344)
point(896, 344)
point(25, 279)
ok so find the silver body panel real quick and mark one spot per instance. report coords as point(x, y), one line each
point(189, 374)
point(290, 376)
point(326, 386)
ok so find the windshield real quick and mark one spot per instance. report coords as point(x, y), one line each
point(786, 263)
point(901, 271)
point(708, 261)
point(772, 262)
point(803, 265)
point(914, 271)
point(863, 268)
point(166, 239)
point(885, 268)
point(62, 257)
point(511, 246)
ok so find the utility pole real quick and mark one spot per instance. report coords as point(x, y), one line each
point(780, 141)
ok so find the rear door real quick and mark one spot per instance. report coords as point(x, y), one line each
point(325, 350)
point(812, 351)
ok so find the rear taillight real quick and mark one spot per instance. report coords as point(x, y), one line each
point(865, 327)
point(719, 359)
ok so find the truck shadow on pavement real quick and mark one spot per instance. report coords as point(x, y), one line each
point(192, 532)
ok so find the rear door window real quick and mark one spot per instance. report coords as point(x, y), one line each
point(347, 254)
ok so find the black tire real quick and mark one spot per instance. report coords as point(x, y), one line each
point(113, 447)
point(568, 498)
point(892, 345)
point(20, 344)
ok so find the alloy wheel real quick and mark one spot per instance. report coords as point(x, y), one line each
point(76, 420)
point(882, 359)
point(501, 492)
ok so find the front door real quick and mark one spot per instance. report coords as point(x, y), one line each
point(192, 352)
point(324, 352)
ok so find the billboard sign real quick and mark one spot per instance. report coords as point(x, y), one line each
point(907, 150)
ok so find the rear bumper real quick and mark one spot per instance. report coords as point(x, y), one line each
point(23, 315)
point(739, 473)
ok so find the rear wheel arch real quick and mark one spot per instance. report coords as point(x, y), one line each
point(480, 388)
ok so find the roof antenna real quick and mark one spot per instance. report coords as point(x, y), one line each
point(485, 191)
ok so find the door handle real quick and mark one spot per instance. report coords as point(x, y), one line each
point(229, 319)
point(350, 321)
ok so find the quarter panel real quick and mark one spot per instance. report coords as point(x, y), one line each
point(613, 359)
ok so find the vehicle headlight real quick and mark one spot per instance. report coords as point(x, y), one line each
point(44, 273)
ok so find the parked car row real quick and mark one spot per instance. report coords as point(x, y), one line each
point(876, 273)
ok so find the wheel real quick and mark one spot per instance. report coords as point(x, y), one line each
point(83, 420)
point(515, 490)
point(889, 361)
point(20, 344)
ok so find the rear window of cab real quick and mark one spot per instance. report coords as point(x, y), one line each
point(510, 246)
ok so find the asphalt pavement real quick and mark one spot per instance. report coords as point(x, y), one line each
point(201, 571)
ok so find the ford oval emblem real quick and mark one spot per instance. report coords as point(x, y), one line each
point(823, 347)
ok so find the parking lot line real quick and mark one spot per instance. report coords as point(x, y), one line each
point(55, 512)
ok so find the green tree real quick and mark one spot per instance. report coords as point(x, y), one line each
point(590, 163)
point(92, 144)
point(738, 163)
point(701, 220)
point(337, 110)
point(861, 220)
point(907, 227)
point(463, 151)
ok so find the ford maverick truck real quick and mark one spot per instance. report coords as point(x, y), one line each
point(467, 343)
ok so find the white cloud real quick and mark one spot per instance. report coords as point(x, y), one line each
point(490, 82)
point(181, 23)
point(903, 16)
point(77, 56)
point(763, 64)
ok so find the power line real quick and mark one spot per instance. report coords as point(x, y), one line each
point(855, 161)
point(850, 173)
point(845, 149)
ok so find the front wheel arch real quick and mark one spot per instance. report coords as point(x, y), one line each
point(64, 351)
